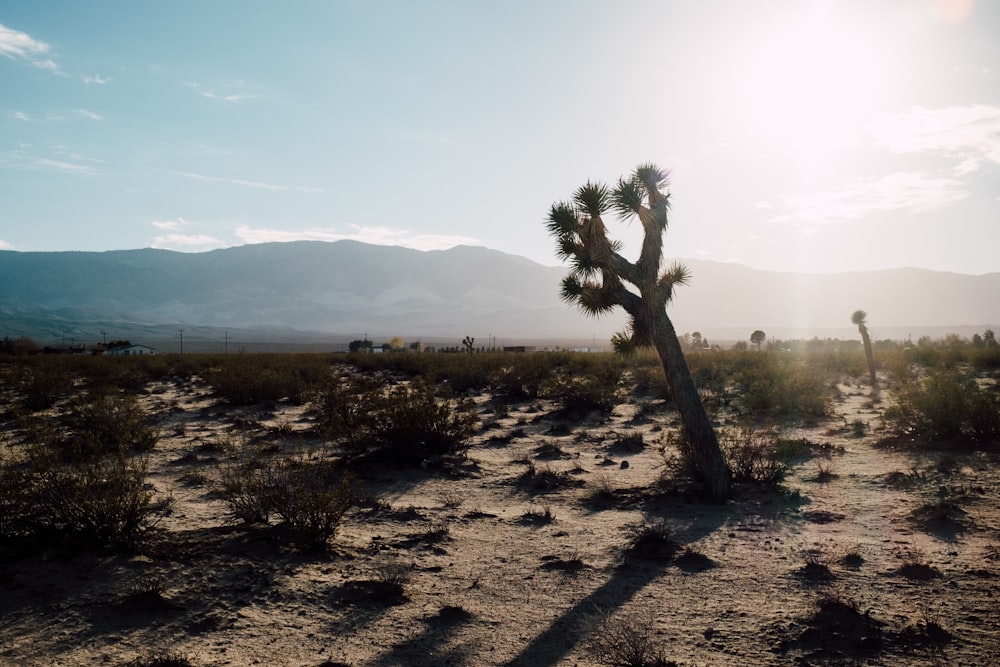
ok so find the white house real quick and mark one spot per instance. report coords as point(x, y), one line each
point(127, 350)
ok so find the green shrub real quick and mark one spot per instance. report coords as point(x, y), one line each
point(411, 426)
point(40, 385)
point(342, 406)
point(945, 405)
point(107, 423)
point(596, 390)
point(245, 379)
point(779, 386)
point(753, 455)
point(404, 424)
point(521, 379)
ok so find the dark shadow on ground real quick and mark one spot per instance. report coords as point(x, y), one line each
point(690, 521)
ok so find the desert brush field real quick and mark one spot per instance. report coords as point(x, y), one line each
point(499, 509)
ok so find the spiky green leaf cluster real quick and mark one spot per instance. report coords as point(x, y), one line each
point(598, 273)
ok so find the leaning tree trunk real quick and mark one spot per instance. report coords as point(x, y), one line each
point(867, 340)
point(709, 461)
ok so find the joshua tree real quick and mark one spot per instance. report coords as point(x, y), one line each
point(468, 342)
point(858, 318)
point(758, 337)
point(597, 284)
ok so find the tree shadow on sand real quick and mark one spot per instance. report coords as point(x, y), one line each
point(645, 559)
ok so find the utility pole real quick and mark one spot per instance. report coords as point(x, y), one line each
point(227, 341)
point(182, 340)
point(105, 334)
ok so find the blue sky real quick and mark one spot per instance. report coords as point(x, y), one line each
point(802, 135)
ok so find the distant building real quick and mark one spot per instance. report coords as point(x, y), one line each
point(128, 350)
point(520, 348)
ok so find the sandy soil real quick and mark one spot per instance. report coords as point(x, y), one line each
point(871, 556)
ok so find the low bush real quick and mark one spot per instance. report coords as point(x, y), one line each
point(779, 386)
point(753, 455)
point(625, 642)
point(106, 423)
point(580, 394)
point(404, 424)
point(411, 426)
point(261, 378)
point(312, 499)
point(945, 405)
point(101, 503)
point(309, 498)
point(40, 385)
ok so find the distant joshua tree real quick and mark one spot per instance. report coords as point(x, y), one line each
point(858, 318)
point(597, 284)
point(468, 342)
point(758, 337)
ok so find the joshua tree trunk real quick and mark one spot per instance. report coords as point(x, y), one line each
point(598, 283)
point(705, 447)
point(869, 357)
point(859, 318)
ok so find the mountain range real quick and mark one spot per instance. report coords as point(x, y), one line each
point(313, 290)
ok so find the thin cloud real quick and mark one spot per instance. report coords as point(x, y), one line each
point(89, 114)
point(186, 241)
point(373, 235)
point(902, 191)
point(20, 115)
point(970, 134)
point(96, 79)
point(170, 224)
point(18, 45)
point(64, 166)
point(4, 245)
point(235, 97)
point(18, 159)
point(224, 97)
point(252, 184)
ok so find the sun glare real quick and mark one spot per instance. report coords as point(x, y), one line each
point(808, 82)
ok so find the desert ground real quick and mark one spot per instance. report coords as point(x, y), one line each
point(556, 540)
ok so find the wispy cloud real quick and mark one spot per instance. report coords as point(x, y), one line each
point(373, 235)
point(18, 45)
point(22, 160)
point(224, 97)
point(53, 116)
point(171, 225)
point(96, 79)
point(4, 245)
point(906, 191)
point(63, 165)
point(970, 134)
point(252, 184)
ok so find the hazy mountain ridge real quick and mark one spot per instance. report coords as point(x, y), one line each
point(348, 287)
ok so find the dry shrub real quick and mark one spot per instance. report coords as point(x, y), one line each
point(753, 455)
point(309, 498)
point(101, 503)
point(107, 423)
point(625, 641)
point(405, 424)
